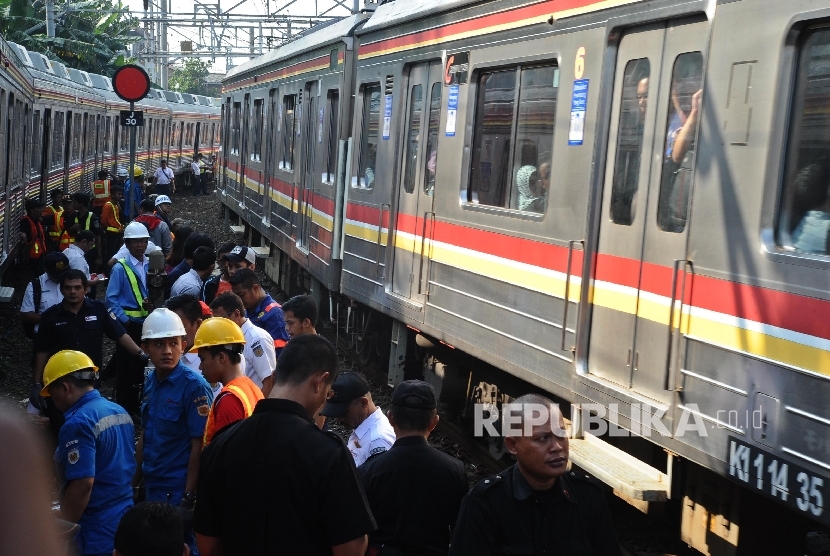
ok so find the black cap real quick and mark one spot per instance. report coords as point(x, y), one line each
point(56, 263)
point(347, 388)
point(66, 198)
point(33, 204)
point(240, 254)
point(414, 394)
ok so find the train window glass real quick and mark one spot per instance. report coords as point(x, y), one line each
point(289, 131)
point(124, 141)
point(77, 133)
point(630, 140)
point(259, 121)
point(331, 156)
point(57, 139)
point(804, 216)
point(368, 139)
point(679, 148)
point(107, 132)
point(173, 134)
point(90, 137)
point(432, 138)
point(416, 106)
point(140, 133)
point(36, 142)
point(236, 126)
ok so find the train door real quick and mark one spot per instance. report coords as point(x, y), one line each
point(648, 185)
point(270, 153)
point(306, 181)
point(197, 139)
point(415, 196)
point(244, 149)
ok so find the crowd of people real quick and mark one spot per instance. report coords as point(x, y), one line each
point(216, 440)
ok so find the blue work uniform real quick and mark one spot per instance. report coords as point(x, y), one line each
point(174, 411)
point(120, 294)
point(268, 315)
point(132, 192)
point(97, 440)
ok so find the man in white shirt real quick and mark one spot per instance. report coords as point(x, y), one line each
point(196, 175)
point(84, 242)
point(352, 405)
point(163, 178)
point(259, 356)
point(204, 261)
point(50, 291)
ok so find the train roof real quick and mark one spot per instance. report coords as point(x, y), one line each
point(314, 38)
point(393, 13)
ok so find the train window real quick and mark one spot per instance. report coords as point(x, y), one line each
point(513, 148)
point(804, 216)
point(107, 132)
point(432, 138)
point(216, 138)
point(331, 156)
point(173, 134)
point(629, 140)
point(36, 142)
point(368, 138)
point(259, 121)
point(124, 142)
point(236, 126)
point(679, 149)
point(289, 131)
point(90, 137)
point(77, 134)
point(416, 105)
point(57, 139)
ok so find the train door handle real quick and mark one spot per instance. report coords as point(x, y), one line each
point(672, 300)
point(568, 289)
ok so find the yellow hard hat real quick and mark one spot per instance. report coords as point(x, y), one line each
point(65, 363)
point(218, 332)
point(137, 171)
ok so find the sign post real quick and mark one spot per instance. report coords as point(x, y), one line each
point(131, 83)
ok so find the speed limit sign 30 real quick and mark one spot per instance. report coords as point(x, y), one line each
point(132, 118)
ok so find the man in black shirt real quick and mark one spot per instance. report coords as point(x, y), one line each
point(276, 484)
point(78, 323)
point(535, 506)
point(414, 490)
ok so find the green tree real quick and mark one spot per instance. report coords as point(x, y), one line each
point(190, 76)
point(88, 34)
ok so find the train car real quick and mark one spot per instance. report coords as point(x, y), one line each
point(653, 245)
point(16, 102)
point(286, 117)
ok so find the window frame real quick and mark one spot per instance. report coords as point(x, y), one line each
point(355, 180)
point(332, 140)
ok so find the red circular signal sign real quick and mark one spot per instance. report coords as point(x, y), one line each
point(131, 83)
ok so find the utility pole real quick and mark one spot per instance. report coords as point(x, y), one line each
point(163, 31)
point(253, 50)
point(50, 18)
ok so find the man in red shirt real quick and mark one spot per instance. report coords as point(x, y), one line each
point(219, 343)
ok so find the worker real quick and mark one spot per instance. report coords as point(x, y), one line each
point(32, 232)
point(259, 354)
point(111, 222)
point(124, 252)
point(84, 242)
point(204, 261)
point(535, 506)
point(240, 257)
point(51, 218)
point(164, 207)
point(101, 192)
point(259, 306)
point(174, 412)
point(197, 175)
point(158, 228)
point(414, 490)
point(300, 314)
point(83, 219)
point(127, 299)
point(67, 215)
point(353, 407)
point(151, 529)
point(274, 483)
point(133, 194)
point(95, 451)
point(193, 242)
point(219, 343)
point(190, 310)
point(164, 179)
point(218, 283)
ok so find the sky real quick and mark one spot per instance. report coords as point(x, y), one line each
point(247, 7)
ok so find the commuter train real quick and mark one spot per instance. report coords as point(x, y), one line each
point(60, 126)
point(654, 244)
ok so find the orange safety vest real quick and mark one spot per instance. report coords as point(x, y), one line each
point(243, 388)
point(100, 192)
point(120, 227)
point(66, 239)
point(37, 245)
point(54, 215)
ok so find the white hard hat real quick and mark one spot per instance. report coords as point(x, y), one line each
point(136, 230)
point(161, 199)
point(121, 172)
point(162, 323)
